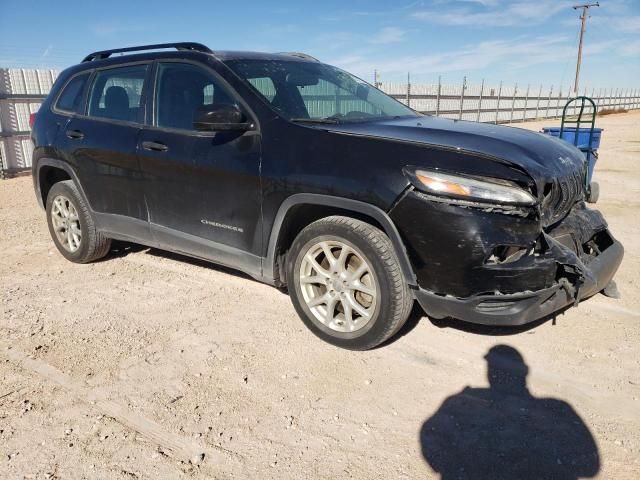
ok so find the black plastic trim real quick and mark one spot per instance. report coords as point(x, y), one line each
point(54, 162)
point(269, 263)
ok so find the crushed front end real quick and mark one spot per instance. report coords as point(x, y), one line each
point(502, 264)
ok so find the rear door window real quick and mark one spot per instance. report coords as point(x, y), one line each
point(71, 96)
point(116, 93)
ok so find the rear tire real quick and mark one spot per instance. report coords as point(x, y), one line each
point(355, 299)
point(71, 225)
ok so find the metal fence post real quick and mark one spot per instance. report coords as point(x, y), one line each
point(464, 85)
point(438, 95)
point(546, 115)
point(620, 99)
point(558, 102)
point(480, 101)
point(626, 98)
point(513, 102)
point(599, 98)
point(1, 162)
point(408, 90)
point(526, 100)
point(498, 104)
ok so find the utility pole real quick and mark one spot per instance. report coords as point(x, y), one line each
point(585, 9)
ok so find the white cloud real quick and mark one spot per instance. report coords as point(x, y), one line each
point(495, 14)
point(341, 40)
point(618, 24)
point(513, 53)
point(388, 35)
point(47, 51)
point(631, 49)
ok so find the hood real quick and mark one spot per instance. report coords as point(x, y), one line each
point(538, 154)
point(556, 167)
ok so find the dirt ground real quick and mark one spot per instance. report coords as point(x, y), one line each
point(138, 365)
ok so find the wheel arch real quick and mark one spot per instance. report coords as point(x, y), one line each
point(51, 171)
point(298, 210)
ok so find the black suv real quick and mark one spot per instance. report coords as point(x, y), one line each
point(304, 176)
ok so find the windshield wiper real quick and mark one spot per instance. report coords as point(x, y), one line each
point(314, 120)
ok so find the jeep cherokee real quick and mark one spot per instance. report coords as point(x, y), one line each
point(306, 177)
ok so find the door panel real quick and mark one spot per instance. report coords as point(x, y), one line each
point(102, 144)
point(104, 156)
point(202, 188)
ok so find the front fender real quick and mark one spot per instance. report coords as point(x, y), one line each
point(379, 215)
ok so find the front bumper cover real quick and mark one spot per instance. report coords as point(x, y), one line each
point(526, 307)
point(451, 251)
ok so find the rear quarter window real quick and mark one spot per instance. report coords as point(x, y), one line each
point(71, 97)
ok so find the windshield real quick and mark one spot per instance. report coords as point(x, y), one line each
point(316, 92)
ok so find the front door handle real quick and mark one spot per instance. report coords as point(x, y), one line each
point(74, 134)
point(155, 146)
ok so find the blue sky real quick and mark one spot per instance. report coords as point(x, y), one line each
point(511, 40)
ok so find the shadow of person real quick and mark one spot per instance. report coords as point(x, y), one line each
point(504, 432)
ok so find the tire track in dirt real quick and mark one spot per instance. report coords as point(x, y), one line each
point(169, 444)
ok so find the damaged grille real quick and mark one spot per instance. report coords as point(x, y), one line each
point(565, 192)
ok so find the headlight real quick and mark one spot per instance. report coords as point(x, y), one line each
point(467, 188)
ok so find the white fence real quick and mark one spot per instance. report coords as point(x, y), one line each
point(22, 90)
point(501, 103)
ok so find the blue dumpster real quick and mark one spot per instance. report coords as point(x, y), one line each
point(569, 135)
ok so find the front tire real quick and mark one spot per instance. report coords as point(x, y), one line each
point(71, 225)
point(346, 284)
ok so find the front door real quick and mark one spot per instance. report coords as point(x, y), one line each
point(202, 188)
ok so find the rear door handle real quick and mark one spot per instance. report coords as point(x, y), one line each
point(75, 134)
point(155, 146)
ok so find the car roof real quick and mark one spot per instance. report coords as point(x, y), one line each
point(193, 51)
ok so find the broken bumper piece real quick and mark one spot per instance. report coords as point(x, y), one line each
point(525, 307)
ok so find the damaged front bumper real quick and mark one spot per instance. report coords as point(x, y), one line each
point(522, 308)
point(453, 250)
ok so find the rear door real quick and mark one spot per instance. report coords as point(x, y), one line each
point(202, 188)
point(101, 144)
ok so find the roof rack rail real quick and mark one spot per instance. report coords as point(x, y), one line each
point(101, 55)
point(306, 56)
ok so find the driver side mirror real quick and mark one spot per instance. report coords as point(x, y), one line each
point(220, 117)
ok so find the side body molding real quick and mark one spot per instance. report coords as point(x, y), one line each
point(269, 263)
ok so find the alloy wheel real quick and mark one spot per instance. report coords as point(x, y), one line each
point(66, 223)
point(338, 285)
